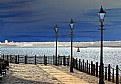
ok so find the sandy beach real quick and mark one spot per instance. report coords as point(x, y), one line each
point(36, 74)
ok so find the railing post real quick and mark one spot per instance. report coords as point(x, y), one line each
point(109, 78)
point(105, 73)
point(35, 59)
point(26, 59)
point(92, 68)
point(117, 75)
point(3, 56)
point(79, 64)
point(64, 61)
point(10, 59)
point(1, 71)
point(53, 60)
point(96, 69)
point(113, 75)
point(59, 60)
point(89, 69)
point(83, 65)
point(68, 61)
point(87, 66)
point(18, 60)
point(7, 57)
point(45, 60)
point(15, 59)
point(73, 63)
point(76, 64)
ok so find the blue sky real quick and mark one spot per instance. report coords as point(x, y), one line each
point(34, 20)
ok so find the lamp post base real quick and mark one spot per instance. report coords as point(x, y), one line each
point(71, 71)
point(101, 82)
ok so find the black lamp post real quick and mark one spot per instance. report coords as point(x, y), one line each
point(71, 33)
point(56, 31)
point(101, 14)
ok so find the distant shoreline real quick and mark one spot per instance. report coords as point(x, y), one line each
point(60, 44)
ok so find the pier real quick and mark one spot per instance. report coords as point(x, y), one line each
point(83, 70)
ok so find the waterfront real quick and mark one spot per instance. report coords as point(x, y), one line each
point(111, 55)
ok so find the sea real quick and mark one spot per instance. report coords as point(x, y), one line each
point(111, 55)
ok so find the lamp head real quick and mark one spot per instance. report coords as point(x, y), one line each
point(101, 14)
point(71, 24)
point(56, 28)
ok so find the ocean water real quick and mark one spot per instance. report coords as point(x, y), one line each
point(110, 55)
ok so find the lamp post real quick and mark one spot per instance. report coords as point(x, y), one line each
point(56, 31)
point(71, 34)
point(101, 14)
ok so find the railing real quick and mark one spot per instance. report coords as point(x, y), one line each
point(110, 73)
point(36, 59)
point(4, 65)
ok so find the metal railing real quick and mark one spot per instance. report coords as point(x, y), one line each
point(110, 73)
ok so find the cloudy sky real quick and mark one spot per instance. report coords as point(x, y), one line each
point(34, 20)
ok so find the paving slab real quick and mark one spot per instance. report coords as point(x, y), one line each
point(62, 76)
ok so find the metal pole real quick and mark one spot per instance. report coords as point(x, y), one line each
point(71, 63)
point(56, 47)
point(101, 73)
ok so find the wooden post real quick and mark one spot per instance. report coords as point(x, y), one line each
point(117, 75)
point(87, 66)
point(7, 57)
point(26, 59)
point(18, 60)
point(83, 65)
point(96, 69)
point(109, 78)
point(64, 60)
point(15, 59)
point(91, 67)
point(53, 60)
point(68, 61)
point(0, 70)
point(105, 73)
point(113, 75)
point(73, 63)
point(76, 63)
point(3, 56)
point(10, 59)
point(45, 60)
point(79, 64)
point(35, 59)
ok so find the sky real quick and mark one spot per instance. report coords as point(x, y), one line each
point(34, 20)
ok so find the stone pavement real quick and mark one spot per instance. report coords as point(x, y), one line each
point(27, 74)
point(41, 74)
point(62, 76)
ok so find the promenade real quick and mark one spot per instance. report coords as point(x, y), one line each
point(41, 74)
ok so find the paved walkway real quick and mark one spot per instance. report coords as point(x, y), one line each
point(62, 76)
point(28, 74)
